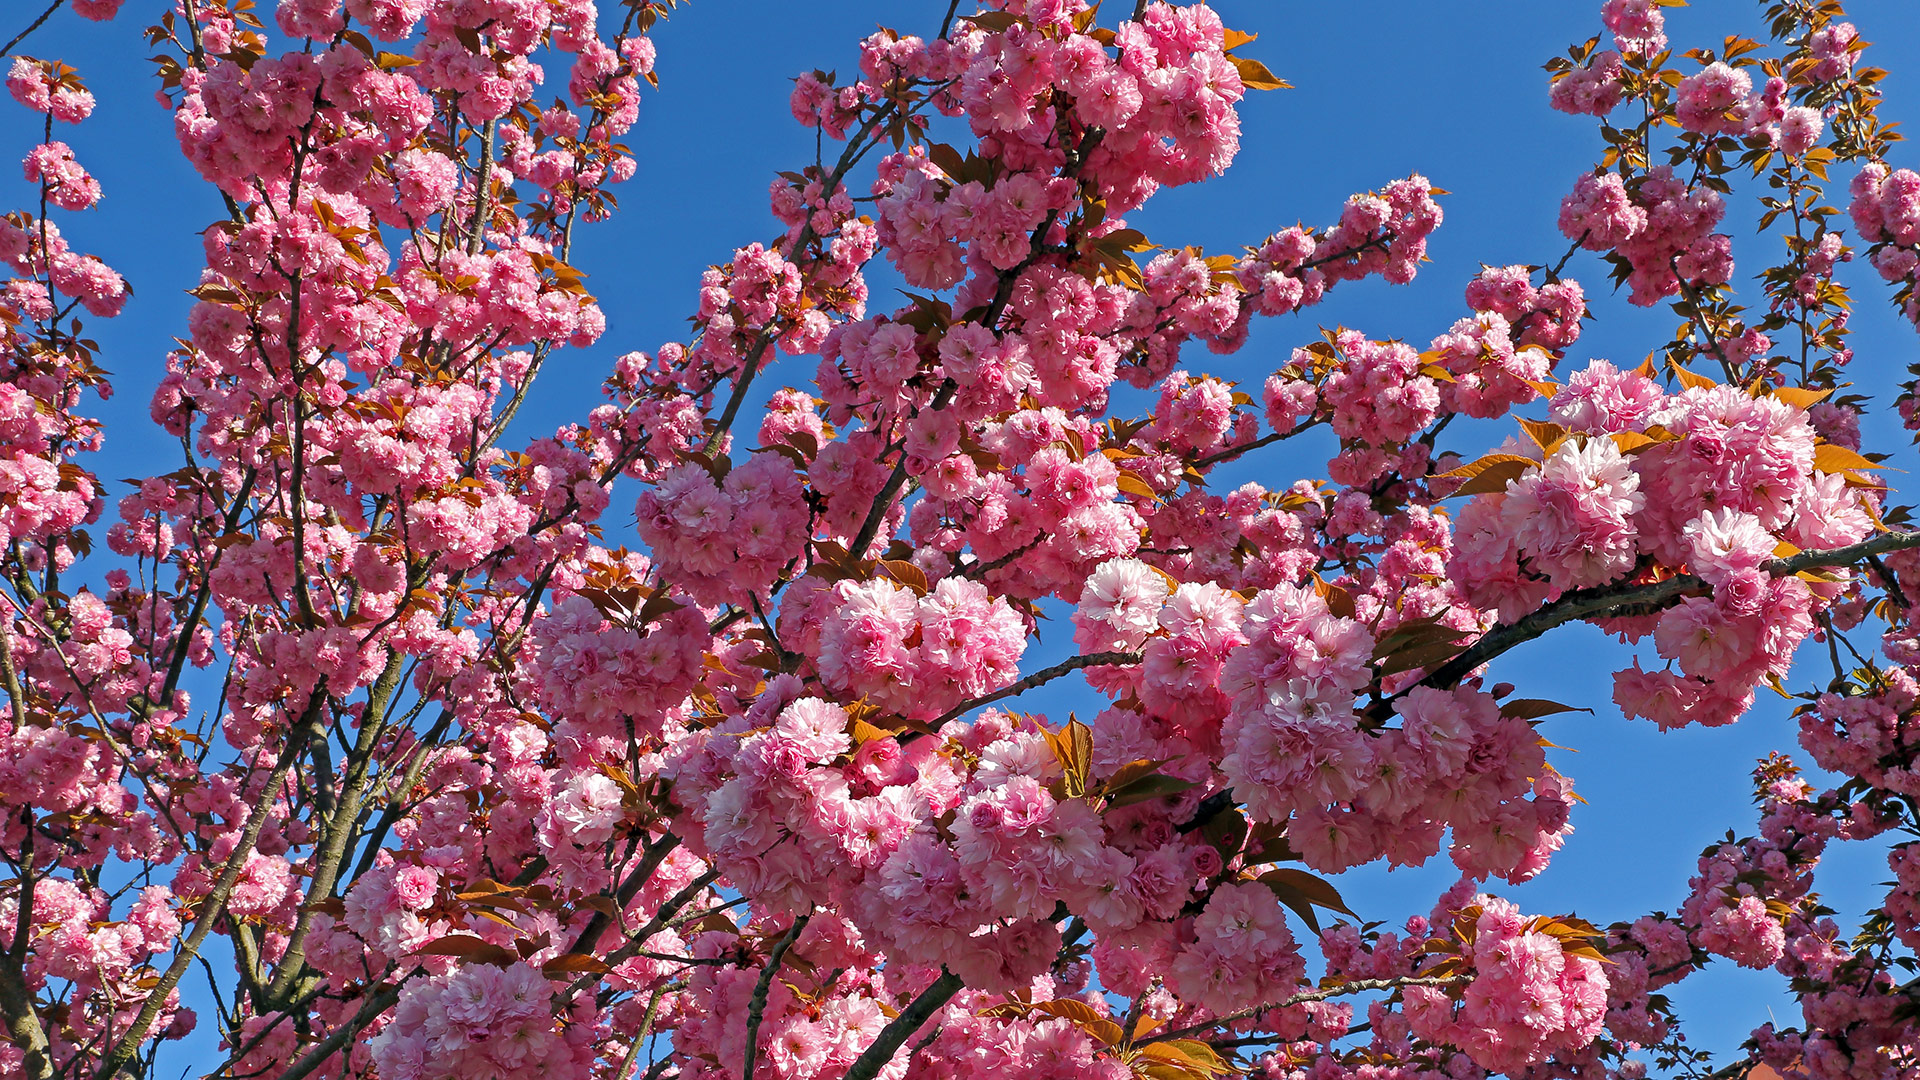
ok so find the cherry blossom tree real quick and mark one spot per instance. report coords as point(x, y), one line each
point(355, 736)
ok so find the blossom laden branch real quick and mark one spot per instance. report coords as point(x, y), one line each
point(1338, 989)
point(1599, 602)
point(213, 905)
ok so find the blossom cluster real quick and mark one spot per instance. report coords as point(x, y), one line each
point(1886, 211)
point(1712, 481)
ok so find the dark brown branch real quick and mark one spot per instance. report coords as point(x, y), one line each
point(1040, 678)
point(750, 364)
point(946, 24)
point(650, 861)
point(654, 925)
point(868, 1064)
point(977, 569)
point(757, 1006)
point(1613, 599)
point(1076, 156)
point(1264, 440)
point(1895, 591)
point(35, 25)
point(870, 528)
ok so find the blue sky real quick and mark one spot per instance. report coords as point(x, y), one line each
point(1382, 88)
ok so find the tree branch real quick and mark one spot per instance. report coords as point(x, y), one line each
point(654, 925)
point(650, 861)
point(35, 25)
point(868, 1064)
point(1589, 603)
point(750, 364)
point(1076, 156)
point(1355, 986)
point(1265, 440)
point(1040, 678)
point(16, 1000)
point(337, 834)
point(757, 1006)
point(375, 1005)
point(946, 24)
point(23, 1025)
point(16, 693)
point(209, 909)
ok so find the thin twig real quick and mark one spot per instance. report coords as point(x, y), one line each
point(37, 24)
point(215, 902)
point(1264, 440)
point(946, 24)
point(1355, 986)
point(1040, 678)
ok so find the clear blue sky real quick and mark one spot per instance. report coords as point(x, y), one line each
point(1383, 88)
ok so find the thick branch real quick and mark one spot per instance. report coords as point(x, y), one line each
point(757, 1007)
point(397, 799)
point(1612, 599)
point(868, 1065)
point(23, 1024)
point(946, 24)
point(16, 693)
point(375, 1005)
point(337, 831)
point(476, 239)
point(16, 1000)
